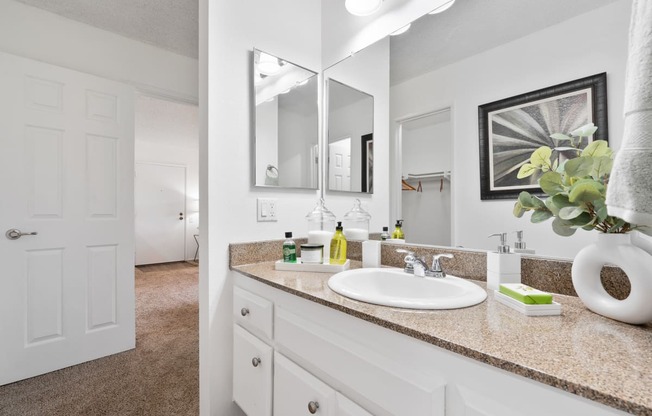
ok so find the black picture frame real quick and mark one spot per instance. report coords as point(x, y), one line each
point(367, 159)
point(528, 118)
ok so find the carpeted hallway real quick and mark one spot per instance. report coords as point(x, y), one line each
point(159, 377)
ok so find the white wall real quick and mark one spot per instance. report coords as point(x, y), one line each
point(229, 30)
point(37, 34)
point(588, 44)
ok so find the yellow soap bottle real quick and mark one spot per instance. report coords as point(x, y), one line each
point(398, 231)
point(338, 246)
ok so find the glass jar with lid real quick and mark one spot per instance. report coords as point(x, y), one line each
point(321, 225)
point(356, 223)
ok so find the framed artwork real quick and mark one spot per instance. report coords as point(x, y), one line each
point(512, 128)
point(367, 173)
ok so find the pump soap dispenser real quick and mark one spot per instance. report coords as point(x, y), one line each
point(519, 244)
point(502, 266)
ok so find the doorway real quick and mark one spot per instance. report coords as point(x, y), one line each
point(425, 158)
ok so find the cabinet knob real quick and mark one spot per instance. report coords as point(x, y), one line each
point(313, 406)
point(255, 362)
point(244, 311)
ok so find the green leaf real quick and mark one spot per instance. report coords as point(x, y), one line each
point(586, 190)
point(538, 202)
point(602, 167)
point(541, 156)
point(579, 167)
point(540, 216)
point(597, 148)
point(551, 206)
point(526, 170)
point(568, 213)
point(561, 201)
point(563, 228)
point(600, 209)
point(550, 182)
point(518, 210)
point(584, 131)
point(526, 200)
point(555, 165)
point(560, 136)
point(582, 220)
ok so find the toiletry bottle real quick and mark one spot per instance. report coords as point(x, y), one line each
point(519, 244)
point(289, 249)
point(502, 265)
point(385, 234)
point(398, 231)
point(338, 246)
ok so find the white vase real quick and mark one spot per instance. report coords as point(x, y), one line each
point(634, 256)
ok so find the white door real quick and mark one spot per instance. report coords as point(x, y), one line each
point(160, 211)
point(339, 165)
point(67, 293)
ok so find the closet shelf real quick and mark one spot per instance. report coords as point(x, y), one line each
point(431, 175)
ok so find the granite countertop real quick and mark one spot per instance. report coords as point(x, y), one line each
point(578, 351)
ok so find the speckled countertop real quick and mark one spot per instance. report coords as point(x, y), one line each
point(579, 351)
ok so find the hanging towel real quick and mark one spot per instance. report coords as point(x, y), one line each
point(629, 195)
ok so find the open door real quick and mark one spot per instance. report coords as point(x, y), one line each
point(66, 229)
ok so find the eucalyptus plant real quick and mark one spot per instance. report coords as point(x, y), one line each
point(576, 187)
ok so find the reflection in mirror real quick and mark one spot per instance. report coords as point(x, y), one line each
point(350, 139)
point(461, 59)
point(287, 125)
point(426, 164)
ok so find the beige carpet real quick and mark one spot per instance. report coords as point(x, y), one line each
point(159, 377)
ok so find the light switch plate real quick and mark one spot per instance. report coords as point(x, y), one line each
point(266, 209)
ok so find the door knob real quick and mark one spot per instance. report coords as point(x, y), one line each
point(313, 406)
point(255, 361)
point(15, 234)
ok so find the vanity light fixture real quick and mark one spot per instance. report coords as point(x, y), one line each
point(362, 7)
point(268, 64)
point(304, 82)
point(443, 7)
point(401, 30)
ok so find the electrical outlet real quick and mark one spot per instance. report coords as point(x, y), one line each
point(266, 209)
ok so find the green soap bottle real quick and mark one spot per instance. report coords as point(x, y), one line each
point(398, 231)
point(289, 249)
point(338, 246)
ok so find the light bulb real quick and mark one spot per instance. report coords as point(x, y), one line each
point(401, 30)
point(267, 64)
point(443, 7)
point(363, 7)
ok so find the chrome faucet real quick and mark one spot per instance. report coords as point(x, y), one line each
point(433, 271)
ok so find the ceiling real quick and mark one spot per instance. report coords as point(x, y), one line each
point(474, 26)
point(167, 24)
point(434, 41)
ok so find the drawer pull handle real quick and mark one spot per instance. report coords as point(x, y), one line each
point(255, 361)
point(313, 406)
point(244, 311)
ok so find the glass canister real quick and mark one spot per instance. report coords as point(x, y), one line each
point(321, 225)
point(356, 223)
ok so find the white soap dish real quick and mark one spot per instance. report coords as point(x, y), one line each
point(530, 310)
point(312, 267)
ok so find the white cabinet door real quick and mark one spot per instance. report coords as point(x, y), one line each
point(299, 393)
point(252, 373)
point(67, 146)
point(345, 407)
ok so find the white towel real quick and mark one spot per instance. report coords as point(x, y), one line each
point(629, 195)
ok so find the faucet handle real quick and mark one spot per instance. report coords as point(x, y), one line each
point(409, 255)
point(436, 264)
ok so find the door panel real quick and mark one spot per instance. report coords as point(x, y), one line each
point(67, 293)
point(160, 213)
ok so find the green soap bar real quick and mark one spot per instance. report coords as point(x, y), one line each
point(526, 294)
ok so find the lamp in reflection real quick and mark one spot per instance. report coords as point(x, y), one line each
point(363, 7)
point(268, 64)
point(402, 30)
point(443, 7)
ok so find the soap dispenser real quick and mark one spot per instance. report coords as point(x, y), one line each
point(338, 246)
point(398, 231)
point(519, 244)
point(502, 265)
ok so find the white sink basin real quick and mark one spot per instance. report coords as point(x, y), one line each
point(394, 287)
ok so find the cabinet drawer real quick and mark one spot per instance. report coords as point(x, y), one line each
point(252, 373)
point(299, 393)
point(253, 312)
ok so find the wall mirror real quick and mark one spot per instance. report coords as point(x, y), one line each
point(287, 123)
point(350, 138)
point(445, 66)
